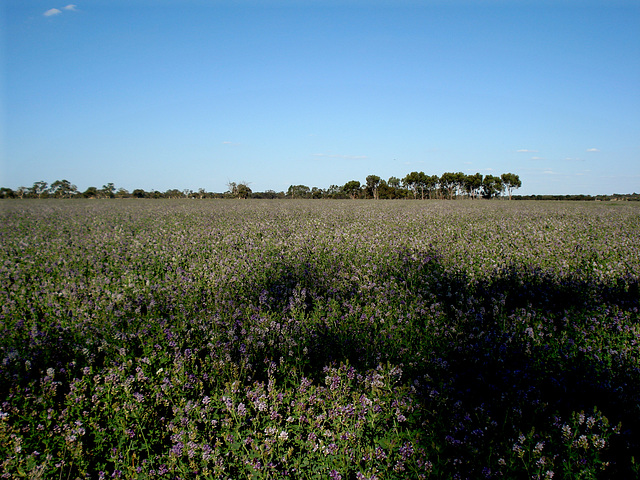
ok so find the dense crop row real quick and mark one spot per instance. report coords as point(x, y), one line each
point(231, 339)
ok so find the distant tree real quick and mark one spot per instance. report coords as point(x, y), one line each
point(122, 193)
point(410, 181)
point(510, 181)
point(491, 186)
point(107, 191)
point(298, 191)
point(139, 193)
point(7, 193)
point(334, 191)
point(317, 192)
point(352, 188)
point(385, 191)
point(21, 192)
point(239, 190)
point(201, 193)
point(39, 189)
point(417, 181)
point(243, 190)
point(472, 184)
point(91, 192)
point(232, 189)
point(173, 193)
point(63, 189)
point(373, 181)
point(459, 177)
point(431, 184)
point(390, 188)
point(422, 184)
point(449, 183)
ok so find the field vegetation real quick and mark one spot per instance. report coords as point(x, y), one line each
point(328, 339)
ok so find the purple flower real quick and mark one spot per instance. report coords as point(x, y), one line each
point(206, 452)
point(177, 449)
point(380, 453)
point(406, 451)
point(191, 452)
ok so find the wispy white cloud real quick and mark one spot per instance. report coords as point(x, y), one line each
point(348, 157)
point(56, 11)
point(571, 159)
point(593, 149)
point(537, 158)
point(233, 144)
point(526, 150)
point(549, 172)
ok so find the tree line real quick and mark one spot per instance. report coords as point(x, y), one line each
point(415, 185)
point(449, 185)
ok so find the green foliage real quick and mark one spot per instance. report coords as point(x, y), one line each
point(298, 191)
point(510, 181)
point(491, 186)
point(63, 189)
point(373, 182)
point(352, 188)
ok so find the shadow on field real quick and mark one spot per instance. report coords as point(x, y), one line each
point(492, 358)
point(513, 352)
point(530, 346)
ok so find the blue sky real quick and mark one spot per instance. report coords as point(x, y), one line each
point(194, 94)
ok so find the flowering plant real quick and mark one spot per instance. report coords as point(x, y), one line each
point(218, 339)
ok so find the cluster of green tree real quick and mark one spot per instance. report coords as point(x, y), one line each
point(414, 185)
point(65, 189)
point(449, 185)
